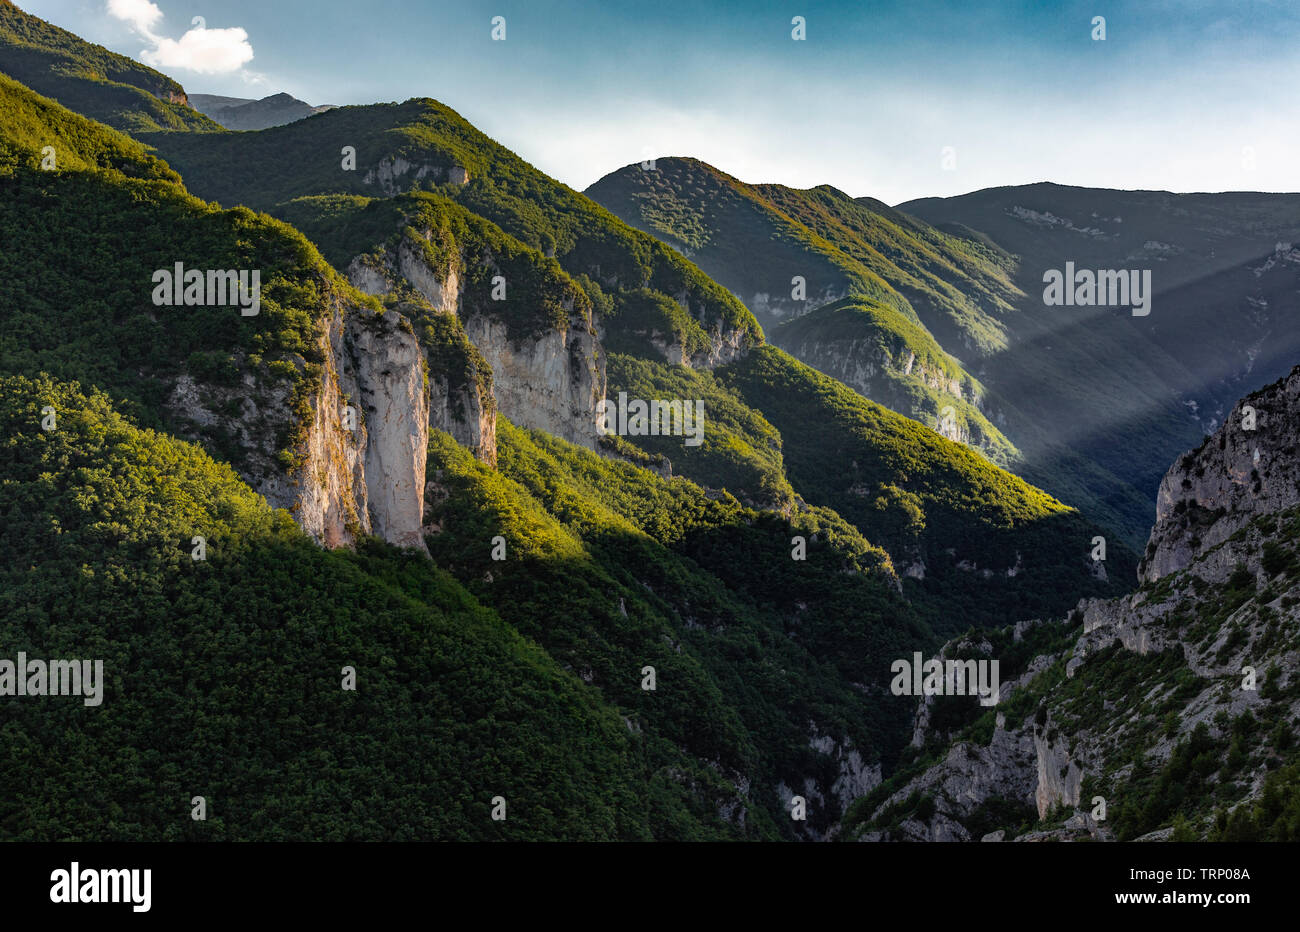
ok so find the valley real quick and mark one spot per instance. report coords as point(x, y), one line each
point(679, 509)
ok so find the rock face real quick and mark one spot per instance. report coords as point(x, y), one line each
point(362, 437)
point(395, 175)
point(367, 478)
point(1241, 471)
point(854, 777)
point(551, 382)
point(725, 344)
point(1059, 777)
point(466, 411)
point(862, 364)
point(460, 396)
point(390, 378)
point(445, 294)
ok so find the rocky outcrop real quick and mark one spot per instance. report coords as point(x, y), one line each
point(361, 434)
point(862, 364)
point(1246, 468)
point(1219, 589)
point(395, 175)
point(966, 778)
point(390, 378)
point(1059, 776)
point(723, 346)
point(362, 463)
point(1132, 620)
point(854, 777)
point(460, 392)
point(551, 382)
point(443, 294)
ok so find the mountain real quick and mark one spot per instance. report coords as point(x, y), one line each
point(446, 210)
point(886, 282)
point(1127, 392)
point(1188, 237)
point(1088, 402)
point(240, 113)
point(1169, 712)
point(90, 79)
point(386, 455)
point(96, 499)
point(609, 568)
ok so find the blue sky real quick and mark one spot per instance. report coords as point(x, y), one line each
point(1184, 96)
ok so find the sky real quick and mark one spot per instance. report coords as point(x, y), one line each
point(893, 100)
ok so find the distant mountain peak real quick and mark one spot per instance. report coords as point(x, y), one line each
point(245, 113)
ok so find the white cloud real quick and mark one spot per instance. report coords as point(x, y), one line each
point(140, 14)
point(207, 51)
point(202, 50)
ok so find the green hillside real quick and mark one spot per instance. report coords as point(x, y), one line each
point(755, 238)
point(83, 242)
point(988, 546)
point(908, 283)
point(610, 568)
point(223, 677)
point(267, 170)
point(991, 545)
point(90, 79)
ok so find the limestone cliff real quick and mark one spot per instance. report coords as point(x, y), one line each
point(547, 377)
point(461, 399)
point(357, 464)
point(395, 174)
point(552, 382)
point(1246, 468)
point(390, 378)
